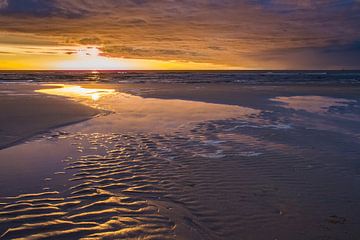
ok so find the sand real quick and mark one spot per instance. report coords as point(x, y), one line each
point(25, 113)
point(235, 94)
point(162, 166)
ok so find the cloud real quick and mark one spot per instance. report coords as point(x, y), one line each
point(90, 41)
point(36, 8)
point(251, 33)
point(3, 4)
point(335, 56)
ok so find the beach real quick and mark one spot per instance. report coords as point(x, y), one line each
point(26, 113)
point(85, 160)
point(181, 120)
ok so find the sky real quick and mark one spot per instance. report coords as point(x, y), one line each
point(179, 34)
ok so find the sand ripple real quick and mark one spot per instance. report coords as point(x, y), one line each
point(221, 180)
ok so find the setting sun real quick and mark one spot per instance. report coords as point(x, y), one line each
point(89, 58)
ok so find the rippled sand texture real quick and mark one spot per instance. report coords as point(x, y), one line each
point(259, 175)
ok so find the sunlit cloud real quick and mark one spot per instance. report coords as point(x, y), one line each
point(235, 34)
point(37, 57)
point(91, 58)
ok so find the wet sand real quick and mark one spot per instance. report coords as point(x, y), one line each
point(266, 166)
point(235, 94)
point(25, 113)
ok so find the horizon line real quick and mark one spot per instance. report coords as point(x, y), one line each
point(177, 70)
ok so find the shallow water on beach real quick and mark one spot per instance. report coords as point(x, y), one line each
point(165, 169)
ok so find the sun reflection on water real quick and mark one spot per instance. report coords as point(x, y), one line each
point(94, 94)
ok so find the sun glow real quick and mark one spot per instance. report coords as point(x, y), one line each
point(93, 59)
point(90, 58)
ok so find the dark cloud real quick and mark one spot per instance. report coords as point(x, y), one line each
point(90, 41)
point(36, 8)
point(334, 56)
point(3, 4)
point(137, 52)
point(33, 7)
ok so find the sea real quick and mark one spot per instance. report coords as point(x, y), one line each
point(241, 77)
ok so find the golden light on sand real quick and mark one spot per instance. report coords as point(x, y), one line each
point(94, 94)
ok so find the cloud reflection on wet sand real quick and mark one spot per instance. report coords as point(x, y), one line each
point(136, 113)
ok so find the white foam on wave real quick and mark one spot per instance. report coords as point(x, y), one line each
point(250, 154)
point(215, 155)
point(281, 126)
point(213, 142)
